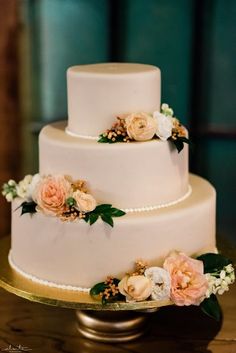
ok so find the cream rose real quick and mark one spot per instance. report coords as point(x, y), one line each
point(84, 202)
point(135, 288)
point(161, 282)
point(140, 126)
point(51, 193)
point(164, 125)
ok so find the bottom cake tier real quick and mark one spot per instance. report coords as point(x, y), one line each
point(76, 254)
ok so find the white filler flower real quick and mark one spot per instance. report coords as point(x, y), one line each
point(166, 110)
point(219, 282)
point(161, 282)
point(23, 185)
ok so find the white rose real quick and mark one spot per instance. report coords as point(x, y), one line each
point(84, 202)
point(140, 126)
point(135, 288)
point(164, 125)
point(161, 282)
point(23, 185)
point(32, 187)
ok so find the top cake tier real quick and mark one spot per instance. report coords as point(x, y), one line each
point(98, 93)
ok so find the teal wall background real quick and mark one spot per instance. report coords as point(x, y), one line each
point(62, 33)
point(192, 41)
point(161, 33)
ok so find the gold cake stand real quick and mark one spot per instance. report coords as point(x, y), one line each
point(113, 322)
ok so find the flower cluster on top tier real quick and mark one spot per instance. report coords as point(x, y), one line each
point(60, 196)
point(141, 126)
point(182, 280)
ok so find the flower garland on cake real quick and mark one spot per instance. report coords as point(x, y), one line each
point(59, 196)
point(142, 126)
point(181, 281)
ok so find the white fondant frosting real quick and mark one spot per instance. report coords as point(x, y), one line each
point(98, 93)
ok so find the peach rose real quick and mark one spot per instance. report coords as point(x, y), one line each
point(85, 202)
point(188, 283)
point(51, 193)
point(140, 126)
point(135, 288)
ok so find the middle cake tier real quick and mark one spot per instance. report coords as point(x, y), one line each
point(127, 175)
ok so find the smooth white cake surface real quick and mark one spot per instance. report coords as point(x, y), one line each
point(98, 93)
point(127, 175)
point(76, 254)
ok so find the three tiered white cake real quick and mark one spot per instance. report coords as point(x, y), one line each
point(166, 208)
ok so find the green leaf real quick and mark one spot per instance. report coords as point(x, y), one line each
point(116, 281)
point(179, 143)
point(70, 201)
point(213, 262)
point(101, 208)
point(107, 219)
point(93, 217)
point(86, 217)
point(184, 139)
point(211, 307)
point(103, 139)
point(106, 212)
point(98, 288)
point(104, 300)
point(115, 212)
point(28, 207)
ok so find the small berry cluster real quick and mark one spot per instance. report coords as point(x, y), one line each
point(111, 289)
point(71, 214)
point(140, 268)
point(178, 130)
point(118, 132)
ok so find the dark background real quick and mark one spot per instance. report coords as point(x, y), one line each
point(192, 41)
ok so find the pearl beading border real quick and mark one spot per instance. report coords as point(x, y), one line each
point(156, 207)
point(42, 281)
point(73, 134)
point(49, 283)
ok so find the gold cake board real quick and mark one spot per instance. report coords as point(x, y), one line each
point(113, 322)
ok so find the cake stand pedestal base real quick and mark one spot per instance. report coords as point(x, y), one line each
point(111, 326)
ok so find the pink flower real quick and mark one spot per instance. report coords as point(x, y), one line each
point(51, 194)
point(188, 283)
